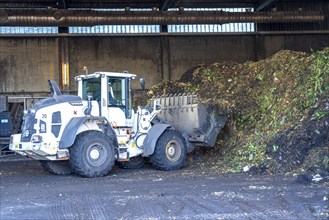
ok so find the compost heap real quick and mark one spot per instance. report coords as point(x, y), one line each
point(278, 111)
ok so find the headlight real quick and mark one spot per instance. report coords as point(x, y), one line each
point(26, 133)
point(36, 139)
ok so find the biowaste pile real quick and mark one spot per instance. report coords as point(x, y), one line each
point(278, 111)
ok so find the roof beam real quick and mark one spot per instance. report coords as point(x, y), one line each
point(166, 5)
point(265, 4)
point(70, 18)
point(161, 4)
point(217, 3)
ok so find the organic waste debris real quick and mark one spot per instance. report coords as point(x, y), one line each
point(278, 111)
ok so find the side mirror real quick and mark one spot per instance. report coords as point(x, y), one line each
point(142, 82)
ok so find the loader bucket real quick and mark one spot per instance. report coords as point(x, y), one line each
point(187, 115)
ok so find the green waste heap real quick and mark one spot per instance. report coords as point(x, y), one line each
point(278, 111)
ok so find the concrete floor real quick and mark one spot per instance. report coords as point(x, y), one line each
point(195, 192)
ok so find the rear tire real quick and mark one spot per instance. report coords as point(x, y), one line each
point(57, 167)
point(92, 154)
point(133, 163)
point(169, 152)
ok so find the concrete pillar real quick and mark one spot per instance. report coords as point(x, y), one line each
point(63, 60)
point(165, 58)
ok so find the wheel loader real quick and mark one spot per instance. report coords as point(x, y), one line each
point(88, 133)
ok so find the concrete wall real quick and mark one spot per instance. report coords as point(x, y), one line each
point(190, 51)
point(138, 55)
point(26, 63)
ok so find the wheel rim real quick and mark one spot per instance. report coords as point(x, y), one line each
point(173, 150)
point(96, 154)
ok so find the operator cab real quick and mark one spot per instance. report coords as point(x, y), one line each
point(112, 91)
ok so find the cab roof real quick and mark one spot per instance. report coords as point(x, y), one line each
point(101, 74)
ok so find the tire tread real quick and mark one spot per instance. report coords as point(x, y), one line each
point(158, 158)
point(76, 160)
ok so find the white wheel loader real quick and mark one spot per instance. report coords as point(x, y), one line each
point(88, 133)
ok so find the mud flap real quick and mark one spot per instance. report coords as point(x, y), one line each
point(152, 138)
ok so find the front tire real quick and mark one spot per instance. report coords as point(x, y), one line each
point(57, 167)
point(170, 151)
point(92, 154)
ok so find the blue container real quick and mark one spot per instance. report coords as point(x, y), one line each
point(5, 124)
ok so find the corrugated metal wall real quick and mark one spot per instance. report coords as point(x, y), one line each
point(232, 27)
point(28, 30)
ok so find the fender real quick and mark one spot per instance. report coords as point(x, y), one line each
point(152, 138)
point(71, 130)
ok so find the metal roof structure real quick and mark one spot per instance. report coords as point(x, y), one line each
point(83, 13)
point(161, 4)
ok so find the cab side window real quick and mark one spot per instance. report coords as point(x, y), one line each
point(92, 87)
